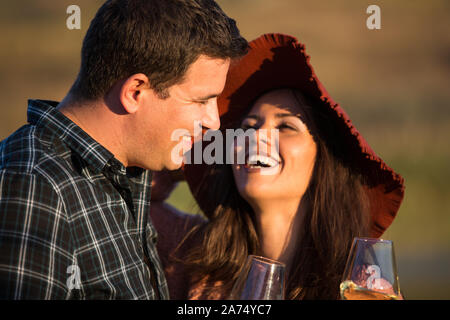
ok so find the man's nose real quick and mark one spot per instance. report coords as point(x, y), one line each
point(211, 117)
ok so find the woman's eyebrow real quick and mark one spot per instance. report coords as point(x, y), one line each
point(285, 115)
point(251, 116)
point(277, 115)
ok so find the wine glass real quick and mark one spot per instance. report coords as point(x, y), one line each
point(371, 271)
point(261, 279)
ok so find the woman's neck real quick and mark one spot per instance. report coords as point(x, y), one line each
point(278, 227)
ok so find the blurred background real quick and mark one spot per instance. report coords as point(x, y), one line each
point(393, 83)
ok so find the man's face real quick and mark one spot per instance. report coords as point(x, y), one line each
point(191, 102)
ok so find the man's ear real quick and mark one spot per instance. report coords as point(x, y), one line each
point(131, 92)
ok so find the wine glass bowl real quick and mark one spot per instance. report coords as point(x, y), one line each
point(371, 271)
point(261, 279)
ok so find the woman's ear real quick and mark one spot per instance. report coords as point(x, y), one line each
point(131, 92)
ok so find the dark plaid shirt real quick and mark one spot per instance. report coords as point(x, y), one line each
point(73, 220)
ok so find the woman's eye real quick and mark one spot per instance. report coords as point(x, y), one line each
point(203, 102)
point(286, 126)
point(246, 126)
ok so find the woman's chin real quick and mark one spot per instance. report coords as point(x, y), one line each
point(255, 191)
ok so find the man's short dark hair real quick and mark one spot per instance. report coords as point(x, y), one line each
point(159, 38)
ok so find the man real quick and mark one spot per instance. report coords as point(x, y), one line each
point(75, 181)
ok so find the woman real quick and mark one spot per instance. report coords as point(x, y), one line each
point(326, 185)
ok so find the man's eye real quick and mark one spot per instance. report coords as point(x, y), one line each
point(203, 102)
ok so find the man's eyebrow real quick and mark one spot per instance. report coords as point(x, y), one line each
point(207, 97)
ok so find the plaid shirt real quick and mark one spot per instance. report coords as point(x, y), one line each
point(73, 220)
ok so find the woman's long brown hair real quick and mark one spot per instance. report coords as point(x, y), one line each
point(337, 212)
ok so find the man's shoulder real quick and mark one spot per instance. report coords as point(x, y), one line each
point(27, 179)
point(23, 149)
point(30, 151)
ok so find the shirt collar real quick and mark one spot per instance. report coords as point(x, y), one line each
point(43, 113)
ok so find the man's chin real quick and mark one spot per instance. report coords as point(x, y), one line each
point(168, 165)
point(171, 166)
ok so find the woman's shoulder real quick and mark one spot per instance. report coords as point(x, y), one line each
point(172, 224)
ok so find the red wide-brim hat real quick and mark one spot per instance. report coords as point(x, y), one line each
point(277, 61)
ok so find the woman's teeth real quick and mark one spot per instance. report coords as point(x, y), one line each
point(260, 161)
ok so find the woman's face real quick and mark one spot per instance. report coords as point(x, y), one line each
point(294, 161)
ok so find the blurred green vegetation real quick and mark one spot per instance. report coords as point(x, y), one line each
point(393, 83)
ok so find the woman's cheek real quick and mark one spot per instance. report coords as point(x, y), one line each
point(299, 163)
